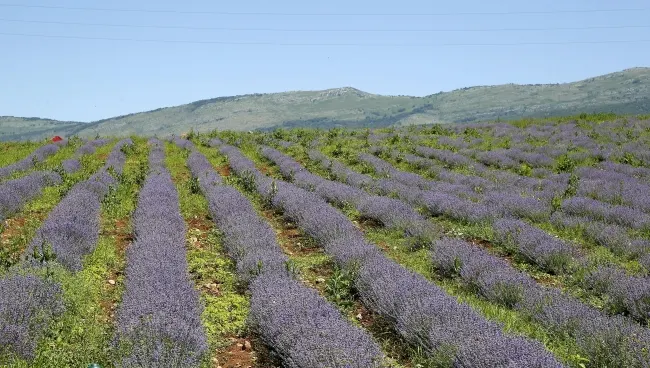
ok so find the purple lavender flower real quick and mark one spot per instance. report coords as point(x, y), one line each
point(72, 227)
point(183, 143)
point(390, 212)
point(508, 204)
point(625, 293)
point(497, 158)
point(73, 165)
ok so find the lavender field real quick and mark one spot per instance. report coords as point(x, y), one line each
point(502, 244)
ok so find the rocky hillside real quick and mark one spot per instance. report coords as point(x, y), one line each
point(625, 92)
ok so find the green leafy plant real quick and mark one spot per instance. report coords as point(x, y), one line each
point(565, 164)
point(193, 185)
point(292, 268)
point(339, 288)
point(44, 256)
point(191, 134)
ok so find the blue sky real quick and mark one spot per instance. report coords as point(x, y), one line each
point(90, 79)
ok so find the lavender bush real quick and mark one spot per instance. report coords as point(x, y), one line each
point(304, 329)
point(448, 158)
point(446, 199)
point(183, 143)
point(508, 204)
point(71, 228)
point(616, 239)
point(498, 159)
point(390, 212)
point(600, 211)
point(628, 294)
point(73, 165)
point(28, 301)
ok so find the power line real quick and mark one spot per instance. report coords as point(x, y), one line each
point(322, 30)
point(320, 44)
point(541, 12)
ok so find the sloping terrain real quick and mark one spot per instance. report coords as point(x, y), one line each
point(625, 92)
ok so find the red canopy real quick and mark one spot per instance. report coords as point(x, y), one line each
point(57, 139)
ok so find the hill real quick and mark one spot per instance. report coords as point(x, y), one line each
point(624, 92)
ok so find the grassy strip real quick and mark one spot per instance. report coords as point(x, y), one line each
point(18, 231)
point(226, 307)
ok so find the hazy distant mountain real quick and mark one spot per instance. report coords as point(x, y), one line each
point(625, 92)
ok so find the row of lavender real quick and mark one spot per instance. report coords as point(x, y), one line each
point(390, 212)
point(495, 279)
point(605, 223)
point(419, 311)
point(39, 155)
point(15, 193)
point(159, 319)
point(72, 227)
point(627, 294)
point(608, 223)
point(300, 327)
point(29, 296)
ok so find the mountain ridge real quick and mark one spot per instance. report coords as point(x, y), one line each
point(626, 92)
